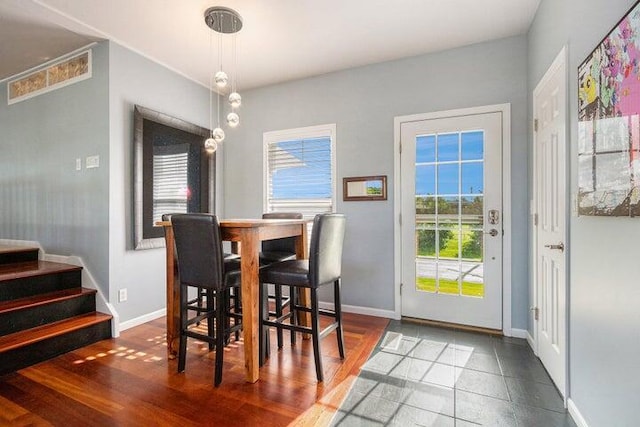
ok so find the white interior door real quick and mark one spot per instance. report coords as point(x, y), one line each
point(451, 192)
point(550, 224)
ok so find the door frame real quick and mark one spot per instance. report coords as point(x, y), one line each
point(505, 109)
point(561, 60)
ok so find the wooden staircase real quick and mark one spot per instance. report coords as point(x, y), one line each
point(44, 310)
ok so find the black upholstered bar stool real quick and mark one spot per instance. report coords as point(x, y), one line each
point(323, 267)
point(278, 250)
point(201, 265)
point(201, 292)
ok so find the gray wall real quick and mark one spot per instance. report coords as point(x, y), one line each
point(137, 80)
point(42, 196)
point(604, 337)
point(363, 103)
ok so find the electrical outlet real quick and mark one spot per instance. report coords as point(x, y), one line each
point(92, 162)
point(122, 295)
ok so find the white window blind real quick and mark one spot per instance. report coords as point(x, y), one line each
point(299, 171)
point(170, 184)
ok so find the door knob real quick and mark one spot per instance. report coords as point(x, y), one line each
point(559, 246)
point(493, 232)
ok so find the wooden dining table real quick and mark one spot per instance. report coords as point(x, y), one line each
point(249, 233)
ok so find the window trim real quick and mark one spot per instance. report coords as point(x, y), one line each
point(45, 67)
point(308, 132)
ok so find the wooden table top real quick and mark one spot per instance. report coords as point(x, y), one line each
point(248, 222)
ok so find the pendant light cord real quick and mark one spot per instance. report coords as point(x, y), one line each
point(211, 86)
point(219, 63)
point(235, 57)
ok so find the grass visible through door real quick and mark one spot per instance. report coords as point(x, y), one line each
point(447, 286)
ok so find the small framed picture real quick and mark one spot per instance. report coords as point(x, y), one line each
point(359, 188)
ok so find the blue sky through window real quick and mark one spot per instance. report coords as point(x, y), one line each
point(301, 169)
point(431, 150)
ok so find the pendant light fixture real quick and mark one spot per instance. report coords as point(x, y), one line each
point(223, 20)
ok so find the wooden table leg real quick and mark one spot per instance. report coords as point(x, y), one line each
point(173, 296)
point(249, 264)
point(304, 319)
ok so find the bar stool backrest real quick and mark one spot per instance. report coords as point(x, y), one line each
point(199, 249)
point(325, 253)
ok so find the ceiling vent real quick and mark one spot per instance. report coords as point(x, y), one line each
point(50, 77)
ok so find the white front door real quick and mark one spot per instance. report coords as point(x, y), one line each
point(451, 192)
point(549, 100)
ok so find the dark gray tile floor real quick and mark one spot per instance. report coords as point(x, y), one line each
point(427, 376)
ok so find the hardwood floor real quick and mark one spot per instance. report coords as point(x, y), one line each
point(129, 381)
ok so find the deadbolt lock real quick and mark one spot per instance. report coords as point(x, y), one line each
point(494, 216)
point(559, 246)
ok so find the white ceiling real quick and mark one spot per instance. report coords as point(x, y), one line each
point(281, 39)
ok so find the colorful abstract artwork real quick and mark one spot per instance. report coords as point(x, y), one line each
point(609, 123)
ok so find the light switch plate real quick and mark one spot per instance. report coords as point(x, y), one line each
point(93, 162)
point(78, 164)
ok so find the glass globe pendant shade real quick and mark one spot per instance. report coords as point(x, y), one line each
point(235, 99)
point(218, 135)
point(233, 119)
point(210, 145)
point(221, 79)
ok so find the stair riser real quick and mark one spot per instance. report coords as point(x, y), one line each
point(29, 355)
point(30, 286)
point(31, 317)
point(13, 257)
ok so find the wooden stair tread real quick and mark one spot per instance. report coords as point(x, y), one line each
point(51, 330)
point(5, 249)
point(33, 268)
point(42, 299)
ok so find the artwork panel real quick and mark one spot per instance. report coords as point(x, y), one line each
point(612, 134)
point(623, 53)
point(585, 174)
point(634, 132)
point(613, 172)
point(588, 87)
point(611, 203)
point(586, 203)
point(585, 137)
point(634, 200)
point(609, 122)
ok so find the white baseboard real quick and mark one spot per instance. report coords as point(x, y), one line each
point(575, 414)
point(368, 311)
point(518, 333)
point(142, 319)
point(532, 343)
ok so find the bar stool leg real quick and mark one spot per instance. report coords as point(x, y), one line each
point(338, 311)
point(182, 351)
point(278, 294)
point(293, 300)
point(264, 330)
point(315, 333)
point(221, 303)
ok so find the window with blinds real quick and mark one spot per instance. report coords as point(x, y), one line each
point(170, 184)
point(299, 170)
